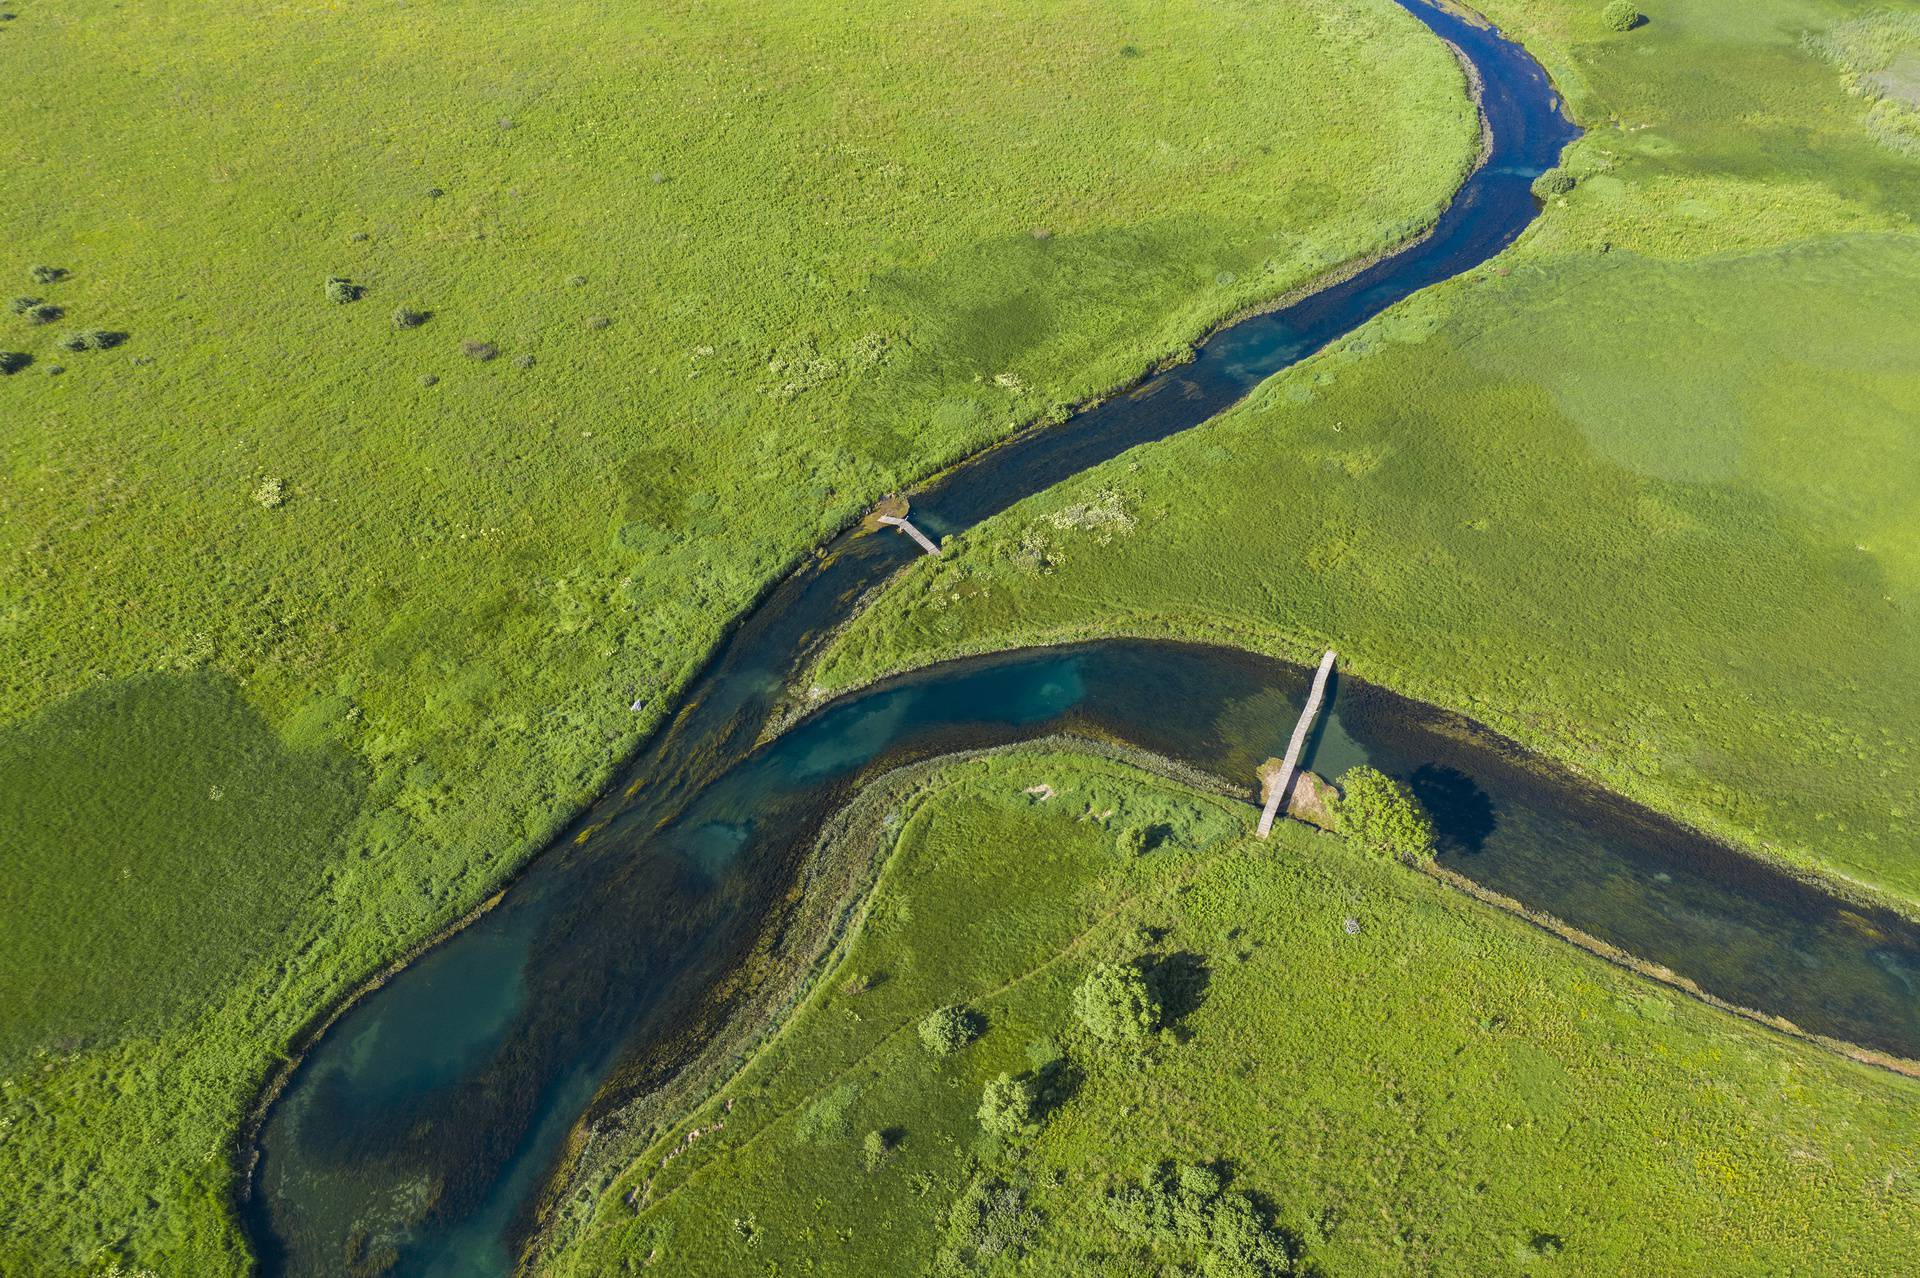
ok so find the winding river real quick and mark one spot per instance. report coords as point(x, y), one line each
point(420, 1128)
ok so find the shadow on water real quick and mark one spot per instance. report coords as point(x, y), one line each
point(416, 1134)
point(410, 1148)
point(1463, 814)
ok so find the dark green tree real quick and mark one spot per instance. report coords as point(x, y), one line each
point(948, 1029)
point(1382, 816)
point(1009, 1106)
point(1620, 16)
point(1116, 1004)
point(1553, 182)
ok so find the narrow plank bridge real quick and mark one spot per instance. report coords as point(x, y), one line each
point(900, 522)
point(1282, 783)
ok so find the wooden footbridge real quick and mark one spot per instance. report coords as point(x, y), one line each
point(1283, 781)
point(893, 513)
point(899, 522)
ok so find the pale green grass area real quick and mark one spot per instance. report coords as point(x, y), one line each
point(1654, 510)
point(254, 750)
point(1445, 1090)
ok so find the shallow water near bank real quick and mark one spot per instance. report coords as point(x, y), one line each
point(364, 1137)
point(415, 1135)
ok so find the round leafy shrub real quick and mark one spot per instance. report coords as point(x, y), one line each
point(341, 290)
point(1009, 1106)
point(946, 1030)
point(482, 351)
point(525, 361)
point(1553, 182)
point(21, 305)
point(878, 1147)
point(1189, 1208)
point(1382, 816)
point(1620, 16)
point(1116, 1004)
point(47, 274)
point(406, 317)
point(91, 339)
point(45, 313)
point(12, 362)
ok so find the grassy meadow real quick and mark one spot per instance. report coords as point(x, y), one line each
point(1410, 1082)
point(469, 366)
point(1643, 493)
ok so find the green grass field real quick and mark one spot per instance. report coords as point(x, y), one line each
point(1644, 493)
point(317, 622)
point(1443, 1090)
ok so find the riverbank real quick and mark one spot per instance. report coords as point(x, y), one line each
point(1553, 497)
point(1534, 1095)
point(1220, 706)
point(802, 938)
point(429, 587)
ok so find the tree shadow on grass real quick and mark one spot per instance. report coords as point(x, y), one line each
point(1179, 981)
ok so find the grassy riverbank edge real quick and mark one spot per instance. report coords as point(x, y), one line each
point(816, 688)
point(561, 1187)
point(246, 1151)
point(816, 915)
point(866, 846)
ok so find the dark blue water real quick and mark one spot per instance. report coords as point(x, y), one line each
point(419, 1128)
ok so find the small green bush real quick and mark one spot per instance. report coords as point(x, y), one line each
point(1135, 840)
point(1188, 1208)
point(47, 274)
point(12, 362)
point(482, 351)
point(1382, 816)
point(91, 339)
point(988, 1229)
point(1116, 1004)
point(341, 290)
point(878, 1147)
point(1620, 16)
point(1552, 183)
point(1010, 1106)
point(45, 313)
point(21, 305)
point(406, 317)
point(946, 1030)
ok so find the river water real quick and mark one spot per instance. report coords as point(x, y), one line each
point(421, 1126)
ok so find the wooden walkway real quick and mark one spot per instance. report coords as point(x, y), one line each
point(1281, 783)
point(907, 528)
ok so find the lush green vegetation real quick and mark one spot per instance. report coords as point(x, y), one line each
point(436, 381)
point(1439, 1089)
point(1379, 814)
point(1879, 55)
point(1644, 493)
point(1621, 16)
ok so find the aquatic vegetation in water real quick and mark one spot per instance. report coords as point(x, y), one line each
point(1878, 55)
